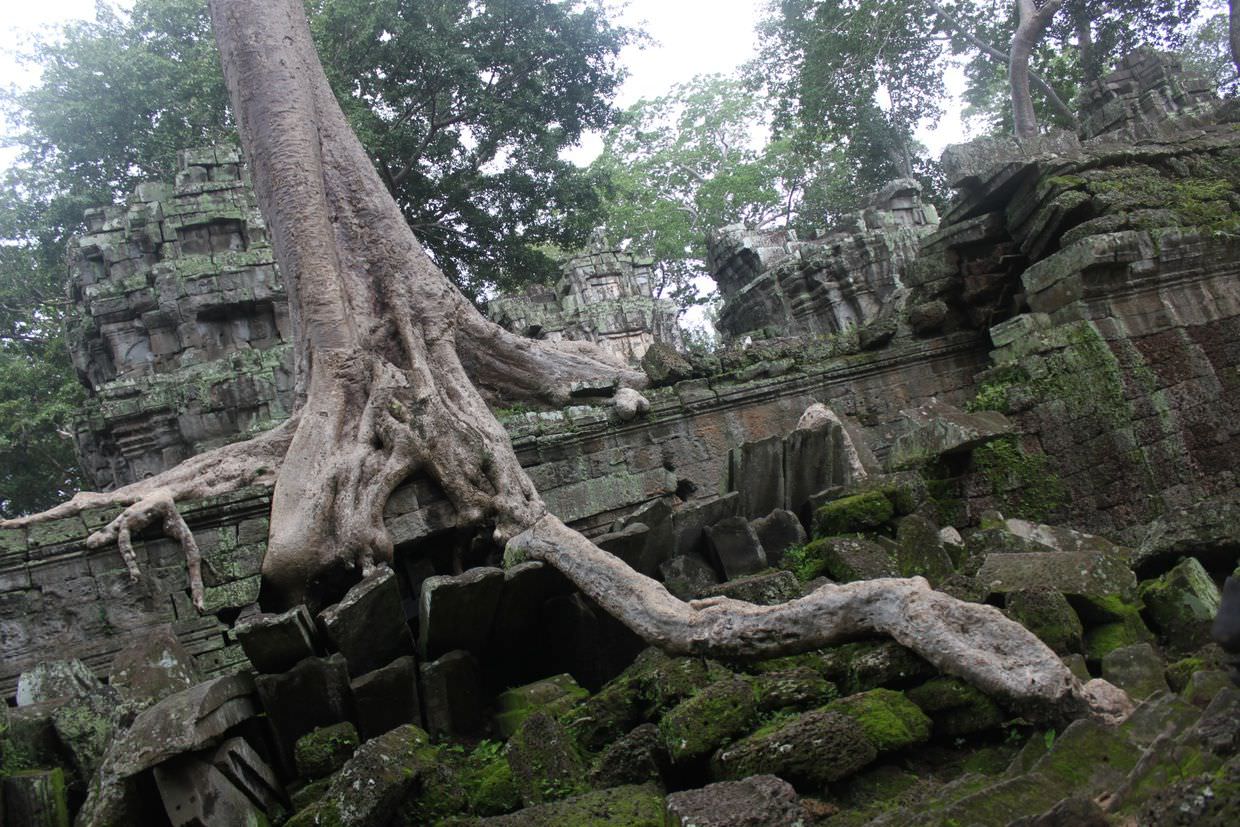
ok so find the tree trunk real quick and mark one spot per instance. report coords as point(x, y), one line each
point(390, 359)
point(1032, 24)
point(1233, 34)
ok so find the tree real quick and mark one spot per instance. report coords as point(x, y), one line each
point(683, 164)
point(391, 364)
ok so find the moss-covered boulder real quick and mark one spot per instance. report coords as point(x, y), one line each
point(1136, 669)
point(1107, 637)
point(867, 664)
point(637, 758)
point(381, 773)
point(889, 720)
point(632, 806)
point(921, 551)
point(1182, 604)
point(654, 683)
point(843, 559)
point(697, 727)
point(955, 707)
point(792, 689)
point(809, 750)
point(546, 765)
point(1048, 615)
point(554, 694)
point(866, 511)
point(320, 753)
point(487, 781)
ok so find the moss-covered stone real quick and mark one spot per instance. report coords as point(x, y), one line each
point(546, 765)
point(632, 806)
point(488, 782)
point(710, 719)
point(809, 750)
point(636, 758)
point(1103, 639)
point(798, 688)
point(1181, 605)
point(1048, 615)
point(921, 551)
point(515, 705)
point(320, 753)
point(1179, 672)
point(309, 794)
point(856, 667)
point(861, 512)
point(955, 707)
point(843, 559)
point(889, 720)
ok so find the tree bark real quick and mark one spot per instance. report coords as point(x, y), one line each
point(1032, 24)
point(1233, 34)
point(390, 358)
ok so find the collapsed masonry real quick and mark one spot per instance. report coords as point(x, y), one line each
point(1079, 298)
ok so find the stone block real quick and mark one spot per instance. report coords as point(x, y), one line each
point(275, 643)
point(920, 549)
point(687, 576)
point(1048, 615)
point(845, 559)
point(939, 430)
point(182, 723)
point(35, 798)
point(246, 769)
point(456, 612)
point(1072, 573)
point(756, 472)
point(757, 801)
point(712, 718)
point(515, 705)
point(84, 727)
point(452, 694)
point(955, 707)
point(321, 752)
point(1136, 669)
point(517, 653)
point(691, 519)
point(656, 515)
point(777, 532)
point(636, 758)
point(368, 626)
point(813, 749)
point(55, 680)
point(629, 544)
point(767, 588)
point(545, 763)
point(151, 669)
point(197, 794)
point(734, 547)
point(889, 719)
point(312, 694)
point(387, 697)
point(1182, 604)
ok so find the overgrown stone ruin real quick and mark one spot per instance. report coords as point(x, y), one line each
point(1035, 407)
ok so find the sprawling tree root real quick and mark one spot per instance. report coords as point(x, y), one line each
point(157, 505)
point(390, 360)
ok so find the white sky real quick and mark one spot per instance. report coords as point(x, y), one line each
point(692, 37)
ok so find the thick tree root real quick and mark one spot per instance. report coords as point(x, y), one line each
point(972, 641)
point(157, 505)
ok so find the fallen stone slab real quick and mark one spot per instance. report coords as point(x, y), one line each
point(35, 798)
point(515, 705)
point(1182, 604)
point(734, 548)
point(312, 694)
point(456, 612)
point(152, 669)
point(767, 588)
point(368, 626)
point(1072, 573)
point(387, 697)
point(777, 532)
point(940, 430)
point(197, 794)
point(812, 749)
point(275, 643)
point(244, 767)
point(185, 722)
point(54, 680)
point(687, 575)
point(452, 694)
point(757, 801)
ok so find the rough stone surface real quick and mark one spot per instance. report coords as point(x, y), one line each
point(321, 752)
point(777, 532)
point(55, 680)
point(1048, 615)
point(197, 794)
point(276, 642)
point(452, 694)
point(152, 669)
point(687, 576)
point(734, 547)
point(764, 589)
point(368, 625)
point(812, 749)
point(1085, 574)
point(312, 694)
point(35, 798)
point(1182, 604)
point(1136, 669)
point(387, 697)
point(757, 801)
point(636, 758)
point(455, 612)
point(546, 765)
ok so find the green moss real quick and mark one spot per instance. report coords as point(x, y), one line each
point(956, 707)
point(1023, 484)
point(1196, 201)
point(860, 512)
point(489, 787)
point(319, 753)
point(1178, 673)
point(993, 393)
point(889, 719)
point(708, 720)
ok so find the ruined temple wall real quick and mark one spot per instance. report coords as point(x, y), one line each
point(59, 599)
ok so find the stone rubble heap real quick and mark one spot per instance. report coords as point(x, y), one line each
point(774, 283)
point(604, 296)
point(1147, 93)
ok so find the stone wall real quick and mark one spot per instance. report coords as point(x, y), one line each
point(58, 598)
point(180, 330)
point(774, 283)
point(603, 296)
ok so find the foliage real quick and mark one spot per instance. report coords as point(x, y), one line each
point(1207, 50)
point(685, 163)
